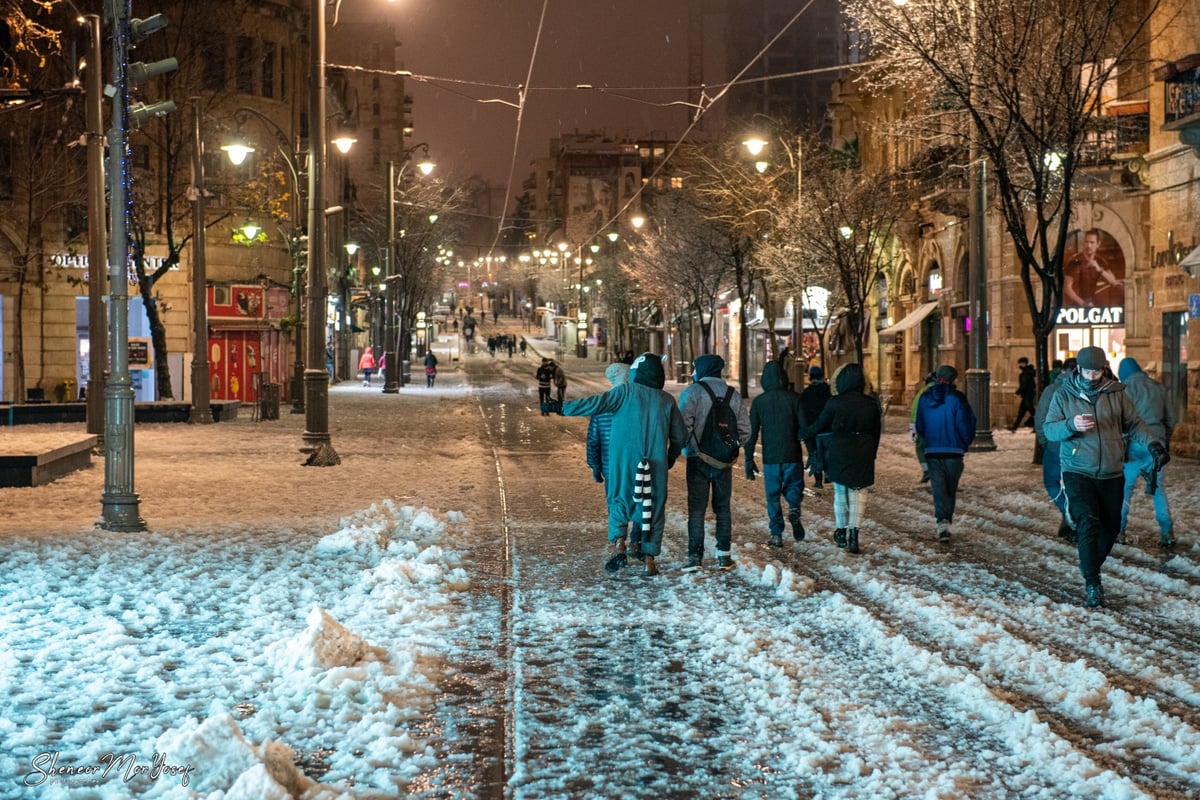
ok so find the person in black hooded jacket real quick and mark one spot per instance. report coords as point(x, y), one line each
point(852, 420)
point(777, 414)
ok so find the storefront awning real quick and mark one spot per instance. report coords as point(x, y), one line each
point(1191, 263)
point(911, 320)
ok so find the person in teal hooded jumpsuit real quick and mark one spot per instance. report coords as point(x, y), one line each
point(646, 426)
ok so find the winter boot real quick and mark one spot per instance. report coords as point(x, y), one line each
point(852, 540)
point(943, 530)
point(617, 560)
point(1166, 540)
point(775, 541)
point(651, 567)
point(1095, 595)
point(797, 528)
point(839, 537)
point(724, 561)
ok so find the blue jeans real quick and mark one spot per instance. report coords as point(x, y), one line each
point(1094, 506)
point(1140, 464)
point(944, 474)
point(701, 479)
point(786, 481)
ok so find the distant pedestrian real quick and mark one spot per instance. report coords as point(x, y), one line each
point(1150, 399)
point(366, 364)
point(812, 401)
point(647, 437)
point(431, 363)
point(852, 420)
point(524, 346)
point(545, 379)
point(1051, 464)
point(511, 345)
point(1093, 418)
point(777, 414)
point(560, 381)
point(709, 479)
point(946, 423)
point(1027, 391)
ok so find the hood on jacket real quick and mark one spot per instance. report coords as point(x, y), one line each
point(772, 376)
point(709, 366)
point(617, 373)
point(938, 393)
point(850, 378)
point(647, 370)
point(1127, 369)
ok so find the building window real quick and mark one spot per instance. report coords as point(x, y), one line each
point(214, 75)
point(244, 72)
point(268, 69)
point(375, 109)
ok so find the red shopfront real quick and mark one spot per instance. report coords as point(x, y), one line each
point(245, 345)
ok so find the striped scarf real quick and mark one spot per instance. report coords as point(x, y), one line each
point(642, 494)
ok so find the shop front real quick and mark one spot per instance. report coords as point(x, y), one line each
point(246, 348)
point(1093, 306)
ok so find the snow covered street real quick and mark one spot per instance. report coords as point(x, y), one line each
point(431, 619)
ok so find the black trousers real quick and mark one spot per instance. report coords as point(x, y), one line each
point(1094, 506)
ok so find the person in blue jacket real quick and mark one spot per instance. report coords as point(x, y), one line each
point(647, 432)
point(947, 424)
point(777, 414)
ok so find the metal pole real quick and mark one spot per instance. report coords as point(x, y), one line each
point(119, 503)
point(316, 379)
point(391, 383)
point(97, 234)
point(297, 389)
point(201, 389)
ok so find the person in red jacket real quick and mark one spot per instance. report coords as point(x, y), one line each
point(367, 365)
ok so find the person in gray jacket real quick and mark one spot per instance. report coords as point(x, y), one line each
point(1150, 399)
point(1092, 417)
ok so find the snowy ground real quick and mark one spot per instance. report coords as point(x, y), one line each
point(281, 631)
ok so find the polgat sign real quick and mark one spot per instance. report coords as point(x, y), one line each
point(1110, 315)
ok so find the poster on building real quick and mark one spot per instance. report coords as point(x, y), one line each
point(1093, 280)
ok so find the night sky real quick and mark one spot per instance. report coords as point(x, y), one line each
point(485, 49)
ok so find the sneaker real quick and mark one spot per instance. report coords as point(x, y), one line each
point(725, 561)
point(614, 563)
point(1166, 540)
point(695, 561)
point(839, 537)
point(943, 530)
point(775, 541)
point(1095, 595)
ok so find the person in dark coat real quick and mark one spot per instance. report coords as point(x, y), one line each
point(431, 363)
point(1051, 466)
point(812, 402)
point(647, 431)
point(1150, 399)
point(1093, 419)
point(545, 377)
point(853, 423)
point(776, 413)
point(1027, 391)
point(946, 423)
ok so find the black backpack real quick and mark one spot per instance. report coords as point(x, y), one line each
point(719, 440)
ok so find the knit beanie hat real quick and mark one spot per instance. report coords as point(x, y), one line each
point(946, 374)
point(815, 372)
point(1091, 358)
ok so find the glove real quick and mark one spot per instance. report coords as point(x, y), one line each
point(751, 469)
point(597, 475)
point(1159, 454)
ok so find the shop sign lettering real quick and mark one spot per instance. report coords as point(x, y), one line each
point(1182, 95)
point(1112, 315)
point(80, 261)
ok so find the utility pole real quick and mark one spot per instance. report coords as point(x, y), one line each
point(97, 233)
point(391, 375)
point(201, 388)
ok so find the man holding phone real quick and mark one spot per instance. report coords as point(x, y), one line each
point(1092, 417)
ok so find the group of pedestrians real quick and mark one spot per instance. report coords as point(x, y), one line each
point(506, 342)
point(550, 375)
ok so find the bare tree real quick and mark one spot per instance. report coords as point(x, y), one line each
point(1025, 80)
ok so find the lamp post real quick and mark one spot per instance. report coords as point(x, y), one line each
point(97, 235)
point(237, 150)
point(201, 388)
point(392, 376)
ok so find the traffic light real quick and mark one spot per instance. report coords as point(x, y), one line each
point(138, 72)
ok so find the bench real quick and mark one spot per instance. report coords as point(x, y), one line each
point(38, 468)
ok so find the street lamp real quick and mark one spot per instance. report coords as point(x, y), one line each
point(201, 386)
point(393, 372)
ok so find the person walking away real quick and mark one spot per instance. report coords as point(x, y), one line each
point(1150, 400)
point(777, 414)
point(599, 435)
point(545, 377)
point(560, 381)
point(1092, 417)
point(1027, 391)
point(946, 423)
point(647, 437)
point(710, 475)
point(1051, 464)
point(524, 346)
point(431, 363)
point(812, 402)
point(917, 440)
point(511, 345)
point(853, 421)
point(366, 363)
